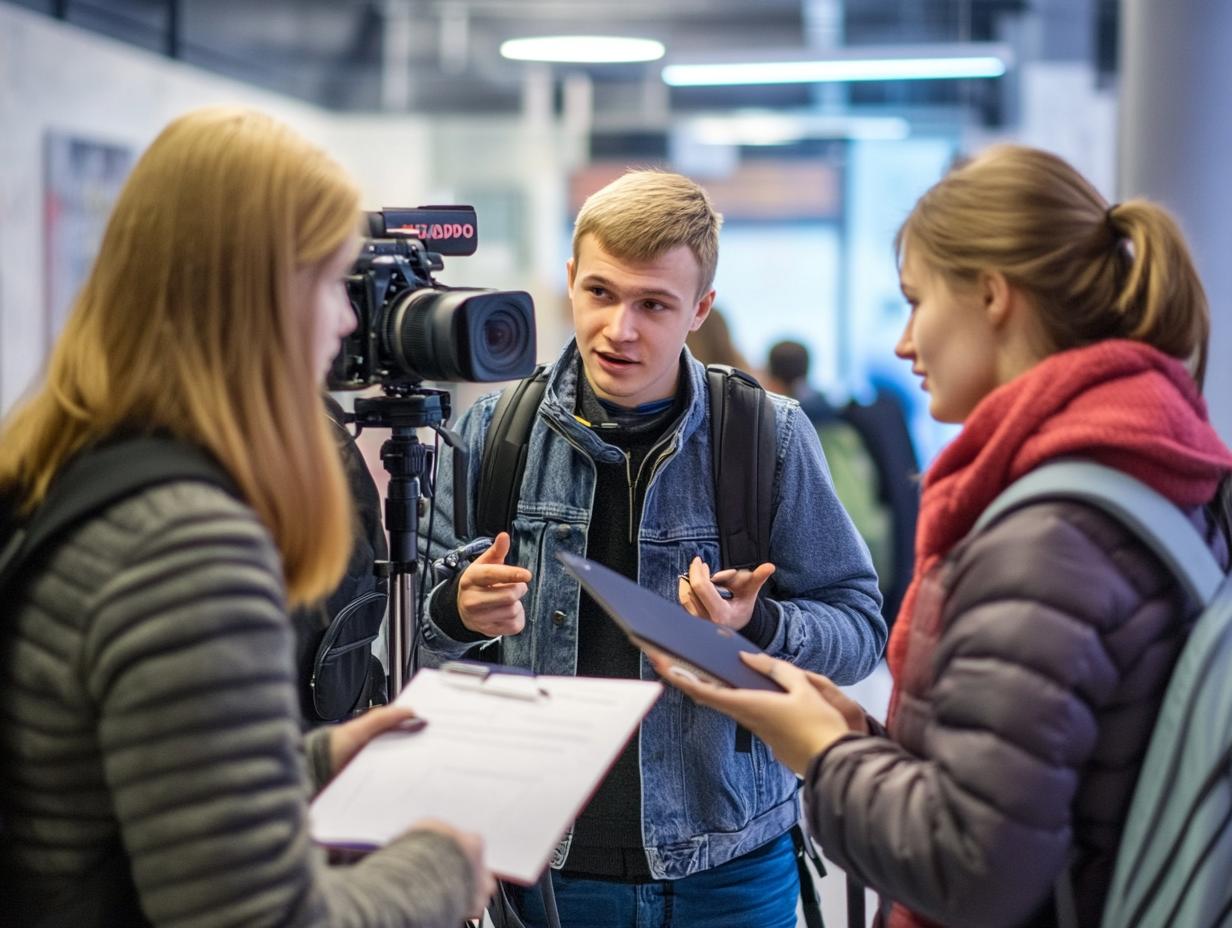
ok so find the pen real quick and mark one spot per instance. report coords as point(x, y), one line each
point(724, 592)
point(479, 678)
point(495, 689)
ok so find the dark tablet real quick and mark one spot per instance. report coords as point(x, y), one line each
point(709, 651)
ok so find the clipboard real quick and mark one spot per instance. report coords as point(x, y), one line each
point(512, 756)
point(708, 651)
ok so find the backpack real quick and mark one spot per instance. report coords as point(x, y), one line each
point(858, 486)
point(744, 445)
point(883, 429)
point(92, 481)
point(1176, 851)
point(337, 673)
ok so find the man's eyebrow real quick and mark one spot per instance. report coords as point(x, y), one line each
point(593, 278)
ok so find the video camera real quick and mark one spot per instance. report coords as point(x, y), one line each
point(410, 328)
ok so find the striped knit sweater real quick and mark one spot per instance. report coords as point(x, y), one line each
point(151, 766)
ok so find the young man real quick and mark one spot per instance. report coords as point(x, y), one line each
point(692, 823)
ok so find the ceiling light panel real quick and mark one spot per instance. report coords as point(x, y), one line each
point(582, 49)
point(948, 62)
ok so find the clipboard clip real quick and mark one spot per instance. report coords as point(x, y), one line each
point(511, 683)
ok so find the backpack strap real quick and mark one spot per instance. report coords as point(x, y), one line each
point(744, 449)
point(99, 477)
point(1153, 518)
point(504, 453)
point(810, 900)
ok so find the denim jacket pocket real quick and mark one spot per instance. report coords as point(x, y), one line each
point(720, 789)
point(775, 783)
point(549, 643)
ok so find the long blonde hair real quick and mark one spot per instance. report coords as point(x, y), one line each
point(1094, 271)
point(189, 324)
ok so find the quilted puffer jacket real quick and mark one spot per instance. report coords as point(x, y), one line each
point(1040, 652)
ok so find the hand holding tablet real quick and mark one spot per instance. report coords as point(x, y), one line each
point(709, 652)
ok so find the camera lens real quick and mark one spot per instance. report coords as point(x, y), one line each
point(503, 335)
point(462, 334)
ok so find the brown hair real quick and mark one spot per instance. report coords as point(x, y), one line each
point(643, 214)
point(1093, 272)
point(188, 324)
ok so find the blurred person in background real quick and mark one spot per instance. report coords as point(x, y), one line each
point(1031, 657)
point(856, 477)
point(712, 343)
point(150, 751)
point(884, 429)
point(873, 461)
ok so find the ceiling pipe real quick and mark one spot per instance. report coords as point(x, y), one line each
point(396, 44)
point(454, 37)
point(823, 32)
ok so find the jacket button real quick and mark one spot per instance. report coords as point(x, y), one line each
point(559, 618)
point(564, 531)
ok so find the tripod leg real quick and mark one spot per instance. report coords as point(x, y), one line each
point(400, 631)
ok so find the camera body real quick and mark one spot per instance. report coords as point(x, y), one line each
point(409, 327)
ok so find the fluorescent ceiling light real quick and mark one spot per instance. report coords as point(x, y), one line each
point(582, 49)
point(767, 128)
point(833, 70)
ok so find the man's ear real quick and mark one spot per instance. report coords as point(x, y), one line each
point(998, 295)
point(702, 310)
point(570, 271)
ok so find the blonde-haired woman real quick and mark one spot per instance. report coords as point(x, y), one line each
point(1029, 658)
point(149, 740)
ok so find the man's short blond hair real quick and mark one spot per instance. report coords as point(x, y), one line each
point(644, 214)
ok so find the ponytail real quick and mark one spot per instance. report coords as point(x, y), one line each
point(1093, 271)
point(1161, 297)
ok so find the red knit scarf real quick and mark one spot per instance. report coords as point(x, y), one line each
point(1120, 403)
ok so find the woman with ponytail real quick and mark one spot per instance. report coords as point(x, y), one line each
point(1030, 658)
point(151, 765)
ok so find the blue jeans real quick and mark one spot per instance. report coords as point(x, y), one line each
point(756, 890)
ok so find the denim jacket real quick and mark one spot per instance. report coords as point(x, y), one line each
point(703, 803)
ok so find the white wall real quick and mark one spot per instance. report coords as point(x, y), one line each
point(523, 163)
point(1174, 140)
point(54, 76)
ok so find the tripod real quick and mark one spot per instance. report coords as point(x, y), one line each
point(403, 409)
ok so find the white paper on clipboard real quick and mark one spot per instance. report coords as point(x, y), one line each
point(513, 758)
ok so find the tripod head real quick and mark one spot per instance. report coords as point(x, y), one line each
point(402, 410)
point(404, 406)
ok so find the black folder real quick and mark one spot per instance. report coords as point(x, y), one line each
point(705, 649)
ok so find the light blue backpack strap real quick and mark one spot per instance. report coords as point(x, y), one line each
point(1172, 787)
point(1151, 517)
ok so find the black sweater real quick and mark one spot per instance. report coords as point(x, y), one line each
point(607, 838)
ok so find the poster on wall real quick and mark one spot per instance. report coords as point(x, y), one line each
point(82, 178)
